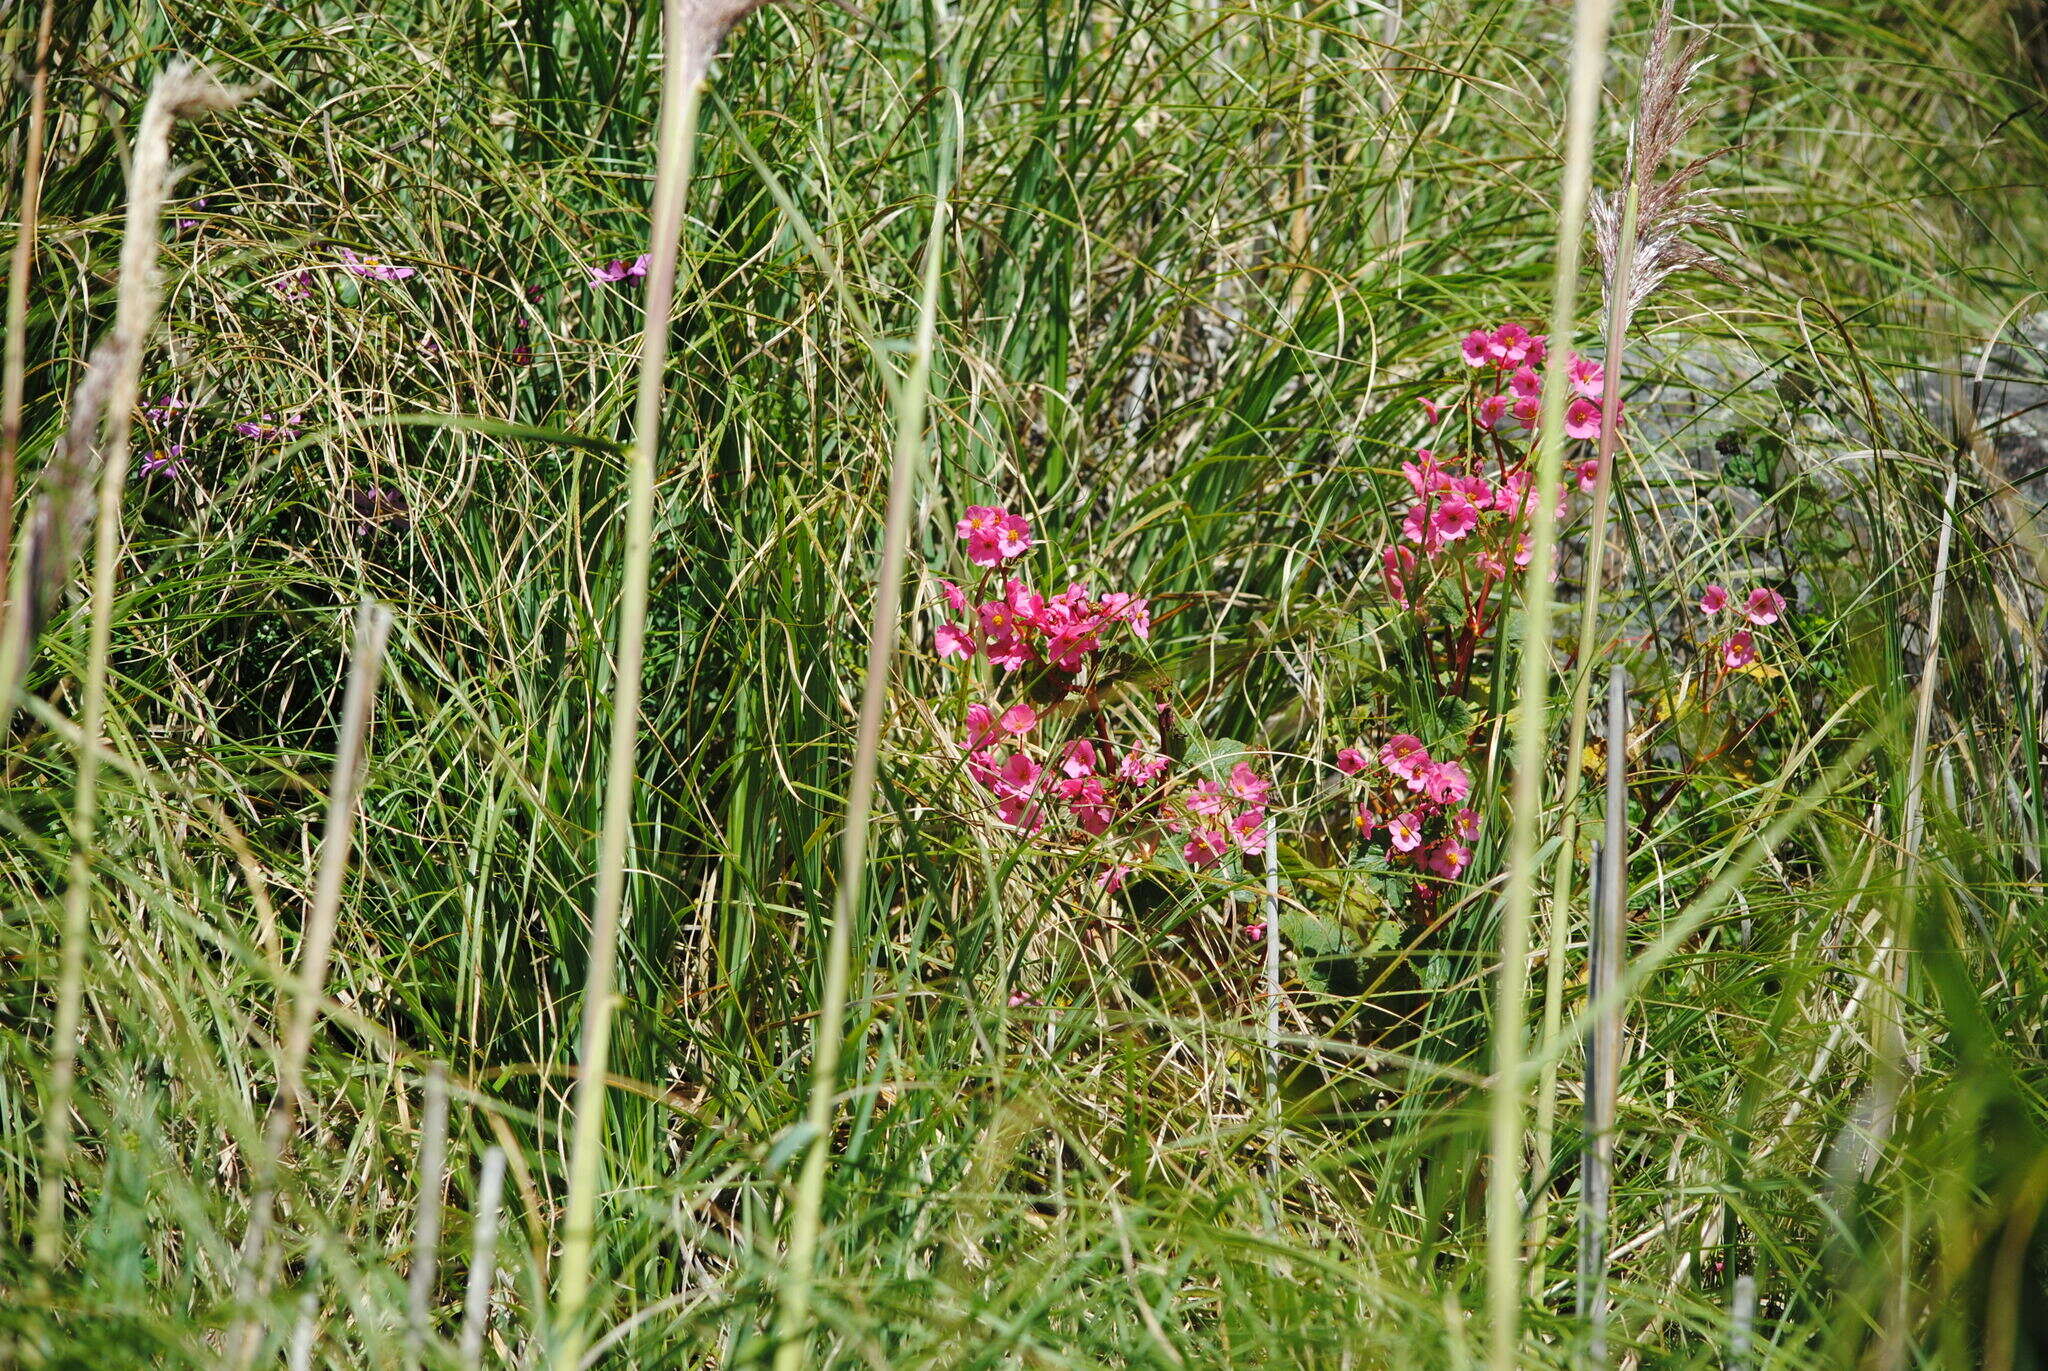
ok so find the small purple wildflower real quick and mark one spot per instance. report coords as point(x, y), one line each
point(375, 268)
point(267, 428)
point(379, 509)
point(616, 270)
point(293, 285)
point(162, 461)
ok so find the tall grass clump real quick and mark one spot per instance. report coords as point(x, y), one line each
point(930, 686)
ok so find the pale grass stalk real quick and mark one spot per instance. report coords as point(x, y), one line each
point(316, 946)
point(483, 1259)
point(686, 51)
point(14, 371)
point(1503, 1208)
point(178, 93)
point(912, 395)
point(1271, 1030)
point(426, 1240)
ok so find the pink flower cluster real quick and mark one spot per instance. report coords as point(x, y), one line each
point(1083, 787)
point(1416, 804)
point(1511, 350)
point(1474, 496)
point(1016, 625)
point(1763, 608)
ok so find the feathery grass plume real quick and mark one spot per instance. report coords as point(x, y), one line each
point(104, 405)
point(1667, 205)
point(691, 33)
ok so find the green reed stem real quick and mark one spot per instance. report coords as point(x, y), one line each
point(1503, 1208)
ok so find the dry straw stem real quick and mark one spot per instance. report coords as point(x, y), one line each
point(103, 407)
point(1503, 1208)
point(911, 396)
point(373, 629)
point(1606, 950)
point(691, 31)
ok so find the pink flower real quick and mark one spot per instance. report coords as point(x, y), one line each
point(1478, 348)
point(616, 270)
point(1139, 769)
point(1206, 798)
point(1396, 564)
point(1248, 786)
point(1350, 761)
point(981, 765)
point(1112, 877)
point(1511, 345)
point(1454, 518)
point(1018, 999)
point(1019, 719)
point(375, 268)
point(293, 285)
point(1020, 812)
point(1080, 758)
point(1423, 474)
point(1447, 858)
point(1447, 783)
point(1527, 411)
point(1588, 377)
point(1432, 408)
point(1118, 607)
point(981, 727)
point(1739, 651)
point(1525, 383)
point(1404, 831)
point(1417, 528)
point(1713, 600)
point(1255, 932)
point(1018, 777)
point(1089, 801)
point(1492, 410)
point(1582, 418)
point(1466, 824)
point(1367, 821)
point(1204, 846)
point(1248, 830)
point(954, 641)
point(1763, 607)
point(993, 535)
point(1589, 474)
point(1406, 757)
point(956, 598)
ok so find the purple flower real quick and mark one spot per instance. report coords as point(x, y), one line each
point(378, 509)
point(293, 285)
point(162, 409)
point(616, 270)
point(268, 428)
point(162, 461)
point(375, 268)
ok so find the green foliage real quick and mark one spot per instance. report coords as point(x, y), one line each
point(1204, 261)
